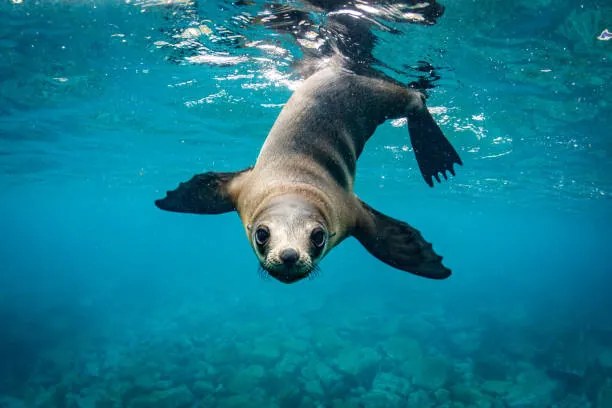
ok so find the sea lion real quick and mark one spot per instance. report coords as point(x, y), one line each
point(297, 202)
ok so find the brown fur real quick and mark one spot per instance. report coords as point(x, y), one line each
point(303, 179)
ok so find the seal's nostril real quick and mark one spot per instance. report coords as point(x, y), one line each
point(289, 256)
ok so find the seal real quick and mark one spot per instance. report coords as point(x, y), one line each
point(297, 202)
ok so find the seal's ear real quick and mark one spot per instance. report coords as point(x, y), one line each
point(398, 244)
point(206, 193)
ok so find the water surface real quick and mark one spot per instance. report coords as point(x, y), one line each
point(106, 301)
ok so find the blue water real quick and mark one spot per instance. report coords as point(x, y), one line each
point(106, 301)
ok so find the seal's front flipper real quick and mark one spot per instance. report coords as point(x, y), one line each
point(398, 244)
point(433, 151)
point(206, 193)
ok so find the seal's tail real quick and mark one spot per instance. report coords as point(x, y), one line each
point(433, 151)
point(327, 28)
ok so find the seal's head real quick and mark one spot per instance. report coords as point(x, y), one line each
point(289, 236)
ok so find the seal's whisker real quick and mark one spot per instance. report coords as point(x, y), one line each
point(315, 272)
point(263, 274)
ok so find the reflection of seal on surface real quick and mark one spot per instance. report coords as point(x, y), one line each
point(297, 201)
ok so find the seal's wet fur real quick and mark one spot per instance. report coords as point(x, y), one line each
point(297, 202)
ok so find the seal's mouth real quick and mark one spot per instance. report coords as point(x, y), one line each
point(287, 278)
point(287, 274)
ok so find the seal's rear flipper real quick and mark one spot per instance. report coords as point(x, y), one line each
point(398, 244)
point(433, 151)
point(206, 193)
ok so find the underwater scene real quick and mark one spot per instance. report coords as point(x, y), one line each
point(108, 301)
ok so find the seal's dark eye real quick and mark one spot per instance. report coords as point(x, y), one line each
point(318, 237)
point(262, 235)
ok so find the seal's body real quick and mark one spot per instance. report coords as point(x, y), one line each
point(297, 202)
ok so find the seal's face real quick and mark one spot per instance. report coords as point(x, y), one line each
point(289, 237)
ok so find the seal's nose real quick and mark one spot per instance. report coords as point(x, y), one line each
point(289, 256)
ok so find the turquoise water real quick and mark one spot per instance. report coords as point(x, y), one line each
point(106, 301)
